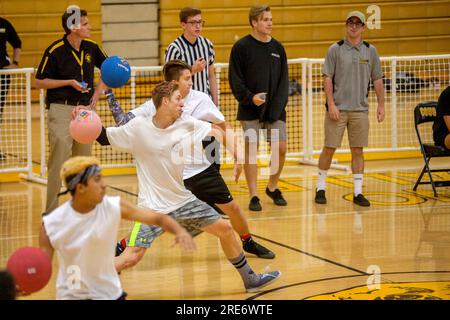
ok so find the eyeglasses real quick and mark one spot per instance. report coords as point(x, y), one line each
point(199, 23)
point(354, 24)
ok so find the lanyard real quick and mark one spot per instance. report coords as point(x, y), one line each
point(80, 62)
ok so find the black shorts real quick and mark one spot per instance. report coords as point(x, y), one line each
point(209, 187)
point(439, 140)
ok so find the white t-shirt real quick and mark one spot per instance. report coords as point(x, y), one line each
point(200, 106)
point(84, 244)
point(160, 155)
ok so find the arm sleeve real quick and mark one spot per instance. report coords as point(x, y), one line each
point(329, 66)
point(172, 53)
point(100, 56)
point(282, 93)
point(12, 36)
point(212, 55)
point(376, 73)
point(47, 67)
point(444, 102)
point(120, 117)
point(236, 78)
point(103, 138)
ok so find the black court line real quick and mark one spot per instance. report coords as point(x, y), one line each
point(336, 278)
point(20, 158)
point(313, 255)
point(122, 190)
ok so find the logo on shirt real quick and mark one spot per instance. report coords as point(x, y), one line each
point(363, 61)
point(88, 58)
point(276, 55)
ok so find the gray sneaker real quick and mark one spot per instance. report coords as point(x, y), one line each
point(262, 280)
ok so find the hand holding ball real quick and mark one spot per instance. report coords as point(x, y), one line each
point(86, 126)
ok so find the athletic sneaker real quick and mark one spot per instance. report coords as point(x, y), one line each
point(262, 280)
point(251, 246)
point(120, 247)
point(254, 204)
point(320, 197)
point(360, 200)
point(276, 196)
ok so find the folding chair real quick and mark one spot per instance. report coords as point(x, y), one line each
point(426, 112)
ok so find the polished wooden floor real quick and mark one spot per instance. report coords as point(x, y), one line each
point(333, 251)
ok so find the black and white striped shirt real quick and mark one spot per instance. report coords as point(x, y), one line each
point(182, 49)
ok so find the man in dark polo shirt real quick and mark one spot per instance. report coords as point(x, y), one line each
point(441, 126)
point(7, 34)
point(67, 72)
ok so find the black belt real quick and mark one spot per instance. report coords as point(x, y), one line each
point(71, 102)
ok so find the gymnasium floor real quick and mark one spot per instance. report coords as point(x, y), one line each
point(399, 248)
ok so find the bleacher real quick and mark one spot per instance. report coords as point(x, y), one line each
point(307, 28)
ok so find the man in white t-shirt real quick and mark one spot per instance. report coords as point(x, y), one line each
point(200, 176)
point(83, 231)
point(160, 144)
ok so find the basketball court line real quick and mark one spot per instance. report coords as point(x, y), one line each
point(312, 255)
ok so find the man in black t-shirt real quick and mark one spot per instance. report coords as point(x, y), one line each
point(258, 76)
point(441, 126)
point(67, 72)
point(7, 34)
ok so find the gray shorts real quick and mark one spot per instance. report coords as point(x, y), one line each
point(275, 131)
point(193, 216)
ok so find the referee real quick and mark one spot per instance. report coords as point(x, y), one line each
point(7, 34)
point(198, 52)
point(65, 66)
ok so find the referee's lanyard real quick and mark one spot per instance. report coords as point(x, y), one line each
point(80, 62)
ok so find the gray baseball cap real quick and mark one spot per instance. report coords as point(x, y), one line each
point(357, 14)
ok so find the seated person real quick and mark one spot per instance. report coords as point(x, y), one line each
point(441, 126)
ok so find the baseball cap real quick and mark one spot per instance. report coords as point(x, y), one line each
point(357, 14)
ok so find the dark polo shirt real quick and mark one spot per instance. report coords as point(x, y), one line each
point(62, 62)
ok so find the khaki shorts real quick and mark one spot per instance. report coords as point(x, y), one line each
point(275, 131)
point(357, 124)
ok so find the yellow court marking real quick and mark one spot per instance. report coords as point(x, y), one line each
point(405, 199)
point(392, 291)
point(338, 182)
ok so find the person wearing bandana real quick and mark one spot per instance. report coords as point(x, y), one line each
point(83, 232)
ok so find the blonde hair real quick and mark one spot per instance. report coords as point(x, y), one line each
point(74, 166)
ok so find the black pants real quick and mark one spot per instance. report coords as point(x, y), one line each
point(5, 80)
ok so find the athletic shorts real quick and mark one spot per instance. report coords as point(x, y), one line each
point(357, 124)
point(193, 216)
point(440, 141)
point(209, 187)
point(275, 131)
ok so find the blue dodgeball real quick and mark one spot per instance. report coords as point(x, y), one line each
point(115, 71)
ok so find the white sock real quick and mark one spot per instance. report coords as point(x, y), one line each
point(321, 182)
point(357, 183)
